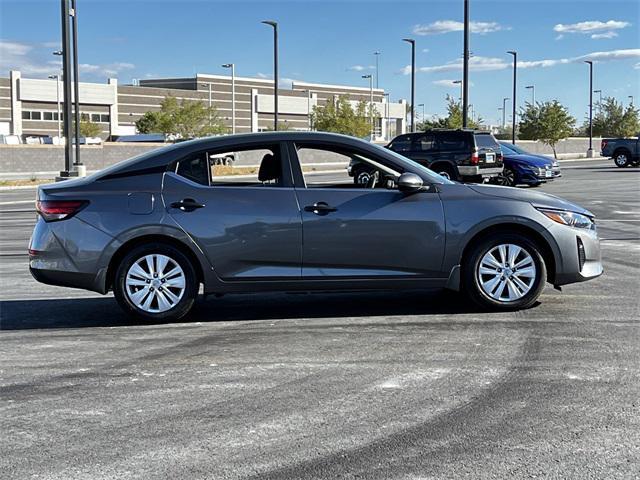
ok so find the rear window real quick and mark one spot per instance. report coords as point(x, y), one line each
point(486, 140)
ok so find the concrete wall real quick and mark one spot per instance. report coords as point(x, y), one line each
point(34, 159)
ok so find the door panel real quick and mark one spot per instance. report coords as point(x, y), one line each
point(371, 233)
point(246, 232)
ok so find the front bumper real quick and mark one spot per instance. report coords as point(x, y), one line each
point(580, 258)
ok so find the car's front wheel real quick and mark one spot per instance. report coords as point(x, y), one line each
point(509, 176)
point(504, 272)
point(156, 282)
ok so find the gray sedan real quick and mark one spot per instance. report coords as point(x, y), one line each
point(287, 217)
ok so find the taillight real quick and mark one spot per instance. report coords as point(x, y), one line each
point(603, 144)
point(475, 158)
point(54, 210)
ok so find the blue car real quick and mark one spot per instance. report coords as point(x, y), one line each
point(522, 167)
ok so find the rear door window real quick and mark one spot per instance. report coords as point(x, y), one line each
point(454, 141)
point(401, 144)
point(424, 143)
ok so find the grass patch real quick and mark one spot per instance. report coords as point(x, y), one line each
point(25, 182)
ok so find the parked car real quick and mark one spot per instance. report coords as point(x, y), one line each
point(156, 227)
point(522, 167)
point(624, 151)
point(463, 155)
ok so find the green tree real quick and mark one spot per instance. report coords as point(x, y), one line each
point(548, 122)
point(613, 120)
point(89, 129)
point(341, 117)
point(452, 120)
point(184, 119)
point(149, 123)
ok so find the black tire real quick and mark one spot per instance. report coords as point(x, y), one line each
point(509, 176)
point(471, 277)
point(621, 159)
point(181, 308)
point(447, 171)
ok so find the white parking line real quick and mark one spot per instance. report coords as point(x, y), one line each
point(18, 202)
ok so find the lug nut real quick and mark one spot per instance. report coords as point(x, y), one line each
point(148, 281)
point(151, 289)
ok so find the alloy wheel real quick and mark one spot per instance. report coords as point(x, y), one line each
point(621, 160)
point(155, 283)
point(506, 273)
point(363, 178)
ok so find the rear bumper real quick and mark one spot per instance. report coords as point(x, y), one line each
point(475, 171)
point(68, 254)
point(85, 281)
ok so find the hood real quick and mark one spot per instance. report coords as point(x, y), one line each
point(535, 198)
point(531, 160)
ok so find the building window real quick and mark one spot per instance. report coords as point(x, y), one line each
point(47, 116)
point(95, 117)
point(26, 115)
point(36, 115)
point(104, 117)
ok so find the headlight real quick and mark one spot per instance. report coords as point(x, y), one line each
point(555, 164)
point(571, 219)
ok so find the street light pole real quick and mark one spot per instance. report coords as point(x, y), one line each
point(232, 66)
point(66, 78)
point(630, 97)
point(422, 105)
point(57, 78)
point(465, 66)
point(514, 102)
point(370, 77)
point(386, 115)
point(599, 92)
point(504, 109)
point(76, 84)
point(377, 55)
point(590, 151)
point(275, 71)
point(533, 93)
point(412, 42)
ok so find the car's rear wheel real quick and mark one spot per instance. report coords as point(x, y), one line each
point(156, 282)
point(504, 272)
point(621, 159)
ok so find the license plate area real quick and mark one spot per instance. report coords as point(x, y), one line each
point(489, 158)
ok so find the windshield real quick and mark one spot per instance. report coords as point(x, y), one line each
point(432, 176)
point(511, 148)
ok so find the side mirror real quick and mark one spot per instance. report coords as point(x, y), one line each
point(410, 183)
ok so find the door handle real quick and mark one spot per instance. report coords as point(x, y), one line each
point(187, 205)
point(320, 208)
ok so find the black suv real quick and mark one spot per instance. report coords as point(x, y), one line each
point(463, 155)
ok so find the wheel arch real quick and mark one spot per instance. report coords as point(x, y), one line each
point(449, 164)
point(546, 250)
point(126, 247)
point(620, 150)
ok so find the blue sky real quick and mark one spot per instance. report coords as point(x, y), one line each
point(333, 42)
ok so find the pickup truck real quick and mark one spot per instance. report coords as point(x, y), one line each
point(624, 151)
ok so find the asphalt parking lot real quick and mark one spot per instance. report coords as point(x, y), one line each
point(380, 385)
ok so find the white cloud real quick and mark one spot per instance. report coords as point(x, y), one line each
point(477, 64)
point(591, 26)
point(447, 26)
point(449, 83)
point(637, 66)
point(610, 34)
point(487, 64)
point(360, 68)
point(559, 37)
point(425, 50)
point(36, 61)
point(607, 56)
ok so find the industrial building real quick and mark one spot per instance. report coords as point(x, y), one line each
point(29, 107)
